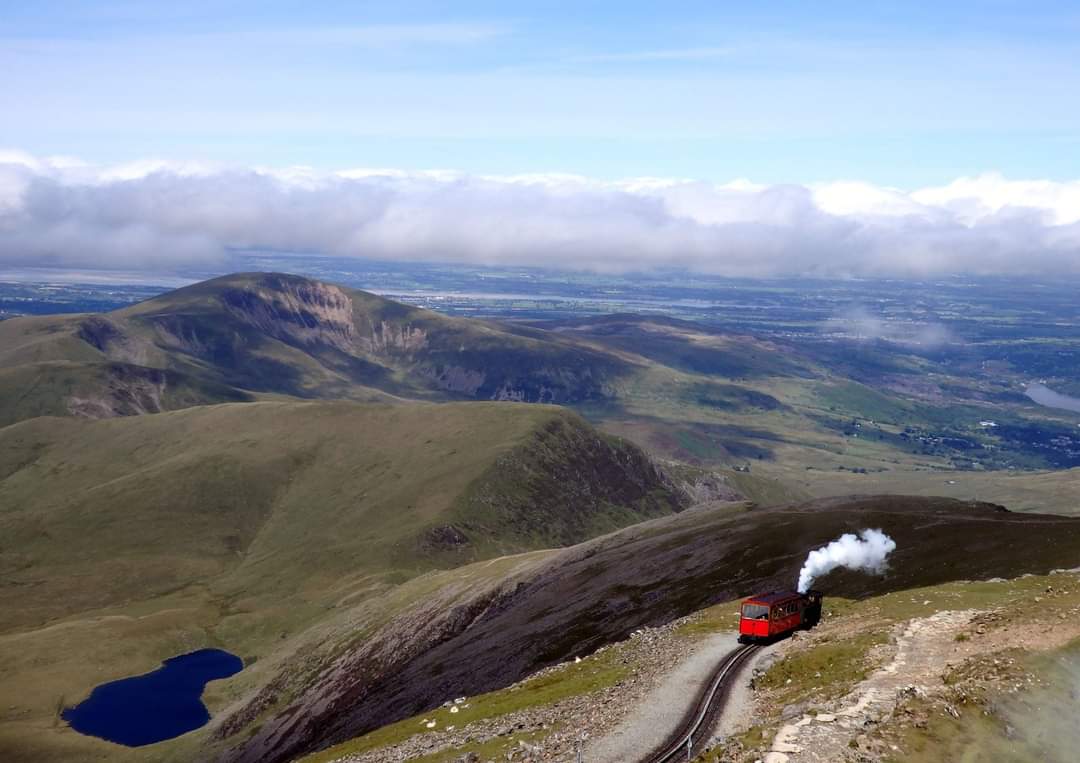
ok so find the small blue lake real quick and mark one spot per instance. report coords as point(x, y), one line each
point(155, 706)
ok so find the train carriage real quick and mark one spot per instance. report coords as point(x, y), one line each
point(774, 614)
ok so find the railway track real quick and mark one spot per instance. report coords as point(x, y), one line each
point(691, 733)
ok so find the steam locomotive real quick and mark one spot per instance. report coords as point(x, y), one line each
point(771, 615)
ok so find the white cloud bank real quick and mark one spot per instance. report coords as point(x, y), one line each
point(159, 215)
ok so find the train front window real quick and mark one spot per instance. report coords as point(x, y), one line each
point(755, 612)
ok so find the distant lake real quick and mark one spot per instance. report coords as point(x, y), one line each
point(1043, 395)
point(155, 706)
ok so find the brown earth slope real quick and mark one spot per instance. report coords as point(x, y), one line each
point(463, 641)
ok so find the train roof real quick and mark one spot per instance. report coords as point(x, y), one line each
point(774, 597)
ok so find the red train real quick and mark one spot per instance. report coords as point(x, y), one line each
point(776, 613)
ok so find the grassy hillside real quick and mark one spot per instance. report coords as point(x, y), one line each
point(298, 536)
point(291, 498)
point(128, 540)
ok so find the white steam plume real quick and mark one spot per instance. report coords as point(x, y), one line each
point(867, 555)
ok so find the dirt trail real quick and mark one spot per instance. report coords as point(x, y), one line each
point(923, 647)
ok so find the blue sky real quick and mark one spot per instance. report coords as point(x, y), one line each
point(903, 94)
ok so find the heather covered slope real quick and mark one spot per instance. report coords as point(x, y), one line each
point(462, 634)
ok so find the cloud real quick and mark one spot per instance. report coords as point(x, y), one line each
point(860, 324)
point(156, 215)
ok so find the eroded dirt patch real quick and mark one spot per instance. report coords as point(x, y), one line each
point(944, 678)
point(920, 651)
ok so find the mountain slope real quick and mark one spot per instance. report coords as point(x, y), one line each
point(690, 347)
point(274, 333)
point(280, 498)
point(463, 636)
point(684, 391)
point(103, 389)
point(248, 526)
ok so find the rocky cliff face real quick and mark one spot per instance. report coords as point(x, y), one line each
point(456, 379)
point(392, 338)
point(128, 391)
point(296, 311)
point(125, 389)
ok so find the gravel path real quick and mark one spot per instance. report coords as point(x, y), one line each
point(738, 713)
point(923, 648)
point(649, 724)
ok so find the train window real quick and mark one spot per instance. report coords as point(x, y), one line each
point(755, 611)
